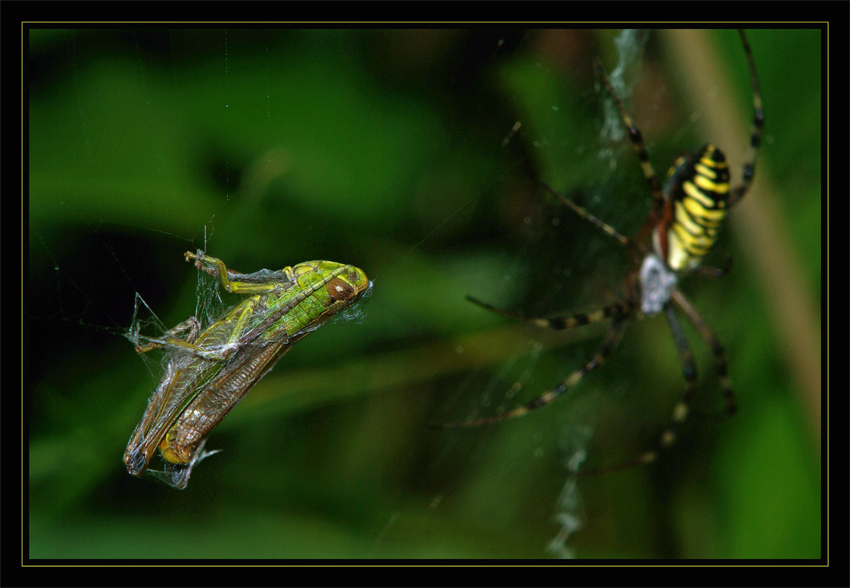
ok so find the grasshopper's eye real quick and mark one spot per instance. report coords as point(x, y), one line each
point(339, 289)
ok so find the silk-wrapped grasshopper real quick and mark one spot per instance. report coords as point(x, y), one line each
point(208, 372)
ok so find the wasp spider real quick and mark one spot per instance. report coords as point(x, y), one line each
point(687, 213)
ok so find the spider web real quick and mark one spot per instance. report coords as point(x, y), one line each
point(297, 190)
point(549, 244)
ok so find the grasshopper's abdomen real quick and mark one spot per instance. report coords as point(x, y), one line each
point(696, 192)
point(223, 393)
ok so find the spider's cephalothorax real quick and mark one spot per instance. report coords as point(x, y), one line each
point(680, 230)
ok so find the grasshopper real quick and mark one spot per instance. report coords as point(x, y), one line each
point(208, 372)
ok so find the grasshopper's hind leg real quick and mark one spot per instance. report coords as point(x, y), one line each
point(238, 283)
point(191, 325)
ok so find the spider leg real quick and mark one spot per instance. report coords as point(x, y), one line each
point(680, 411)
point(689, 372)
point(625, 241)
point(635, 137)
point(741, 190)
point(643, 156)
point(715, 272)
point(714, 344)
point(560, 323)
point(612, 339)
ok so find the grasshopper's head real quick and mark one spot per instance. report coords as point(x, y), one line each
point(321, 290)
point(334, 283)
point(348, 286)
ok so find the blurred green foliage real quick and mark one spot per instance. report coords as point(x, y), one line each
point(386, 149)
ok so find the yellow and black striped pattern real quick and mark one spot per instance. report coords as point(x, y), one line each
point(699, 208)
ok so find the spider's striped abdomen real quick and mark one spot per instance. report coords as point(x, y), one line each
point(697, 191)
